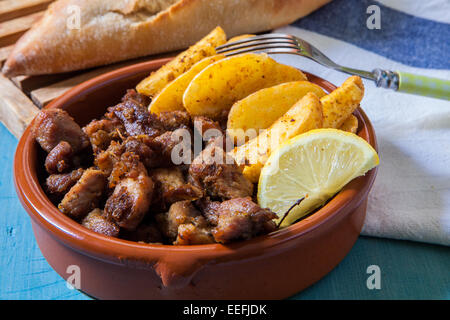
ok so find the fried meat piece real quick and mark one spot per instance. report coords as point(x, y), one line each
point(206, 125)
point(132, 194)
point(176, 146)
point(145, 148)
point(183, 224)
point(52, 126)
point(59, 184)
point(209, 209)
point(172, 120)
point(148, 150)
point(133, 114)
point(85, 195)
point(218, 173)
point(96, 221)
point(241, 219)
point(102, 132)
point(59, 158)
point(106, 160)
point(138, 98)
point(189, 233)
point(145, 232)
point(170, 186)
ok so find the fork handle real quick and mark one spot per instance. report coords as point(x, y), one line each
point(425, 86)
point(411, 83)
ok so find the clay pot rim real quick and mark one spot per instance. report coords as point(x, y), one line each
point(42, 210)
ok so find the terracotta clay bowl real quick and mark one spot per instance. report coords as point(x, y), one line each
point(273, 266)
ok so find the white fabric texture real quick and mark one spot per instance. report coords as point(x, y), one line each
point(436, 10)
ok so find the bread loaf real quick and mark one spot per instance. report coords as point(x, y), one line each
point(113, 30)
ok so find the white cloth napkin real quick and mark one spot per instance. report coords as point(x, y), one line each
point(410, 199)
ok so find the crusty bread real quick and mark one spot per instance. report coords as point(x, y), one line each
point(115, 30)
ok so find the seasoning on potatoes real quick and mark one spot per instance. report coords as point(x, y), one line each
point(154, 83)
point(171, 97)
point(214, 90)
point(261, 109)
point(340, 104)
point(350, 124)
point(305, 115)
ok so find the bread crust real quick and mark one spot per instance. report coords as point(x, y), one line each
point(115, 30)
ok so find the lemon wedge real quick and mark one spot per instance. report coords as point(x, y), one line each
point(315, 165)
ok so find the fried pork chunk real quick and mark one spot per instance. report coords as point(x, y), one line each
point(241, 219)
point(183, 224)
point(133, 95)
point(59, 184)
point(170, 186)
point(59, 158)
point(96, 221)
point(132, 194)
point(106, 160)
point(144, 147)
point(148, 150)
point(218, 173)
point(132, 113)
point(145, 232)
point(209, 209)
point(211, 132)
point(202, 124)
point(175, 146)
point(173, 120)
point(52, 126)
point(102, 132)
point(85, 195)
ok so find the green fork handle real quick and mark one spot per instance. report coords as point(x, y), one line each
point(411, 83)
point(424, 86)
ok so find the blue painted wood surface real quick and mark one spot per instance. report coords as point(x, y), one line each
point(408, 270)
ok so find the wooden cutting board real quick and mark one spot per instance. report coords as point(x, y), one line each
point(22, 97)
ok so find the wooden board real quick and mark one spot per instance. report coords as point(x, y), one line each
point(44, 95)
point(21, 97)
point(12, 30)
point(16, 109)
point(10, 9)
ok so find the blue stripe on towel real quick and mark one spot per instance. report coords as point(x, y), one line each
point(407, 39)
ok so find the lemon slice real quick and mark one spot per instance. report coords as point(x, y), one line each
point(314, 165)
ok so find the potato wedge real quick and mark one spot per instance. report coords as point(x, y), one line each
point(171, 97)
point(350, 124)
point(305, 115)
point(340, 104)
point(261, 109)
point(154, 83)
point(220, 85)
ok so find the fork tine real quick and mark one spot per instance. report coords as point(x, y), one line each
point(268, 36)
point(265, 44)
point(274, 50)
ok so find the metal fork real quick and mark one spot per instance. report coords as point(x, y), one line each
point(277, 43)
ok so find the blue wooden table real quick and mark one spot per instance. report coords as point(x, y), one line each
point(408, 270)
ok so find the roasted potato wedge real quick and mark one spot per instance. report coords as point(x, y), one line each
point(261, 109)
point(350, 125)
point(171, 97)
point(214, 90)
point(305, 115)
point(154, 83)
point(340, 104)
